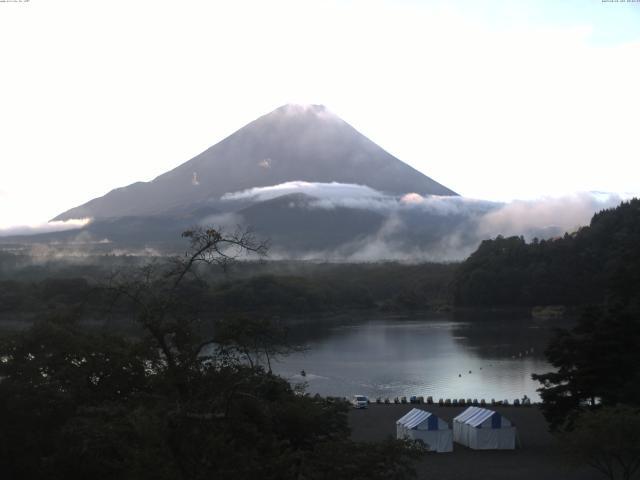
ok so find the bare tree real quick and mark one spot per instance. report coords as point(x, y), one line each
point(213, 247)
point(157, 294)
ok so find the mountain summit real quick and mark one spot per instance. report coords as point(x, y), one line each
point(294, 142)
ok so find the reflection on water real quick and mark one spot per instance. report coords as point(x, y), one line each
point(439, 356)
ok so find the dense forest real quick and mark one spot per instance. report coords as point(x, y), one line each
point(174, 401)
point(29, 289)
point(577, 269)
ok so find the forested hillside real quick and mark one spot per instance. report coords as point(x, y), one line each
point(577, 269)
point(28, 290)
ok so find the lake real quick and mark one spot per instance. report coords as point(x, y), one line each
point(445, 356)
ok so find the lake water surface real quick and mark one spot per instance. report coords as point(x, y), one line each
point(438, 355)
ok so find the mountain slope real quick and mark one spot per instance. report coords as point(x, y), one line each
point(291, 143)
point(293, 226)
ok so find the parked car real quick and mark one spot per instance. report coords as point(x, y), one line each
point(360, 401)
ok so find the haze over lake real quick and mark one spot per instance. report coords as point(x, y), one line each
point(435, 354)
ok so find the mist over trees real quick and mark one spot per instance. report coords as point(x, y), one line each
point(582, 268)
point(29, 289)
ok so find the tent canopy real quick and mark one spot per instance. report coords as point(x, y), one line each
point(483, 429)
point(482, 418)
point(426, 427)
point(421, 420)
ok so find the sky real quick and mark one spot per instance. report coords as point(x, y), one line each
point(497, 100)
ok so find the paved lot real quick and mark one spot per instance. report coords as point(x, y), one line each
point(538, 457)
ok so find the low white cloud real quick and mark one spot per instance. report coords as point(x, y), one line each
point(408, 233)
point(76, 250)
point(348, 195)
point(333, 190)
point(223, 220)
point(415, 228)
point(44, 227)
point(411, 202)
point(542, 218)
point(555, 215)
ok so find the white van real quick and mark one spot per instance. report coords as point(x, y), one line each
point(360, 401)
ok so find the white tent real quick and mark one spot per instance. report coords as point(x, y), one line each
point(483, 429)
point(427, 427)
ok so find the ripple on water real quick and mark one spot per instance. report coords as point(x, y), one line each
point(403, 358)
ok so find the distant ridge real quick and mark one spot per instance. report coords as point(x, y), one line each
point(293, 142)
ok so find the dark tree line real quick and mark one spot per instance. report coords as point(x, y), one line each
point(278, 288)
point(597, 362)
point(173, 402)
point(582, 268)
